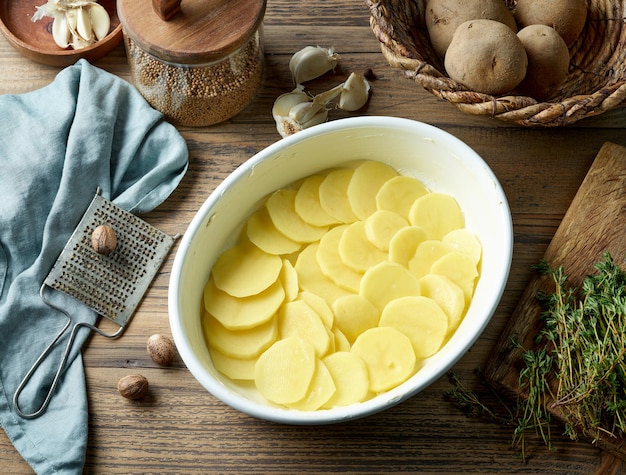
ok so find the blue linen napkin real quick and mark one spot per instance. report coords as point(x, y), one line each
point(85, 130)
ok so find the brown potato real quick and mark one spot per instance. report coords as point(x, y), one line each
point(486, 56)
point(444, 16)
point(548, 61)
point(567, 17)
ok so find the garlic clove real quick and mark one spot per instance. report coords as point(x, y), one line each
point(284, 102)
point(72, 21)
point(320, 117)
point(305, 111)
point(83, 24)
point(355, 93)
point(280, 111)
point(60, 31)
point(296, 110)
point(100, 20)
point(312, 62)
point(327, 97)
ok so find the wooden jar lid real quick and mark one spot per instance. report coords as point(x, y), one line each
point(199, 31)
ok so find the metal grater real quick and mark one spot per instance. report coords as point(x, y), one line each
point(111, 285)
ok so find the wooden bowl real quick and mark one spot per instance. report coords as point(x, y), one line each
point(34, 39)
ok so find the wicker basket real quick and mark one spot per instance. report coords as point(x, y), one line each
point(596, 80)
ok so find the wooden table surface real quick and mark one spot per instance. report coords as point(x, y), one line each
point(180, 428)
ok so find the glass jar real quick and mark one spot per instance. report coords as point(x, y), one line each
point(201, 66)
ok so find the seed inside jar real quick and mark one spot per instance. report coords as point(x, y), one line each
point(198, 95)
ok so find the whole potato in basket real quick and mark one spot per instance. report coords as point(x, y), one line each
point(443, 17)
point(486, 56)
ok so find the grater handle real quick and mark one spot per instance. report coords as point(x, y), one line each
point(44, 355)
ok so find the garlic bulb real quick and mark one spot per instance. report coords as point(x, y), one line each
point(354, 93)
point(77, 23)
point(312, 62)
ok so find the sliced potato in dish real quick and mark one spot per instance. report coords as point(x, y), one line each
point(284, 372)
point(358, 252)
point(281, 208)
point(447, 294)
point(437, 213)
point(333, 195)
point(320, 390)
point(244, 344)
point(388, 281)
point(349, 373)
point(421, 319)
point(262, 233)
point(404, 243)
point(329, 260)
point(307, 203)
point(366, 180)
point(399, 193)
point(245, 270)
point(388, 355)
point(241, 313)
point(381, 226)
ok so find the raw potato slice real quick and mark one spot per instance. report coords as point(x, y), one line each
point(381, 226)
point(331, 342)
point(245, 270)
point(236, 313)
point(426, 254)
point(289, 279)
point(320, 390)
point(333, 195)
point(464, 241)
point(460, 269)
point(281, 208)
point(341, 342)
point(404, 243)
point(399, 193)
point(307, 203)
point(349, 373)
point(284, 372)
point(244, 344)
point(367, 179)
point(388, 281)
point(448, 296)
point(318, 304)
point(358, 252)
point(388, 355)
point(298, 319)
point(261, 231)
point(313, 280)
point(354, 314)
point(437, 213)
point(234, 368)
point(419, 318)
point(330, 262)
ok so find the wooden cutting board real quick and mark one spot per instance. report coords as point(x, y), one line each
point(594, 223)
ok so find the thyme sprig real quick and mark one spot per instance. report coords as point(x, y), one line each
point(585, 346)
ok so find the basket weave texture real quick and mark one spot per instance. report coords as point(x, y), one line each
point(596, 81)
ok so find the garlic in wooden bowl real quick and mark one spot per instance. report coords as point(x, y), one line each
point(76, 23)
point(36, 39)
point(440, 161)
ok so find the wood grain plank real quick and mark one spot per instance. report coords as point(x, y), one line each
point(589, 228)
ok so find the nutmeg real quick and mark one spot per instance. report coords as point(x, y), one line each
point(104, 240)
point(161, 349)
point(133, 386)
